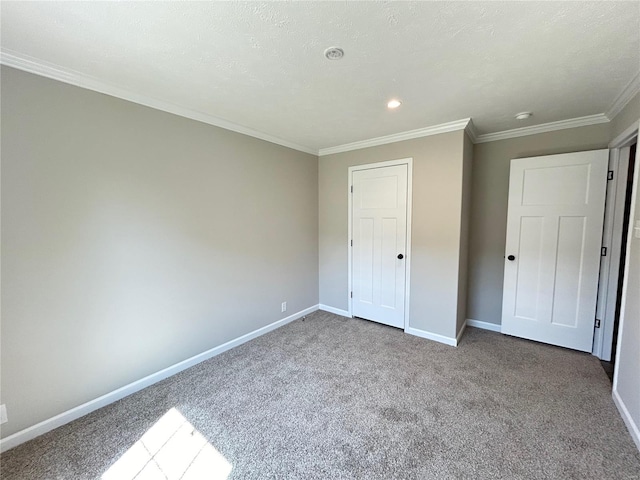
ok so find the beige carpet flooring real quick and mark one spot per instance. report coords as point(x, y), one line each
point(329, 397)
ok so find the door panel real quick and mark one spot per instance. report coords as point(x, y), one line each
point(566, 185)
point(390, 249)
point(379, 219)
point(569, 261)
point(364, 263)
point(530, 254)
point(554, 230)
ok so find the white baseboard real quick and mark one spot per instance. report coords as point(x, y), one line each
point(337, 311)
point(92, 405)
point(431, 336)
point(494, 327)
point(634, 430)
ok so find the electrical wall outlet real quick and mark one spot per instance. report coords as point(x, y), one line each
point(3, 414)
point(284, 306)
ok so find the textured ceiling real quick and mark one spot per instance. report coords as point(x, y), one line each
point(261, 65)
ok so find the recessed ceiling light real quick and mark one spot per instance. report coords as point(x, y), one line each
point(394, 103)
point(334, 53)
point(523, 115)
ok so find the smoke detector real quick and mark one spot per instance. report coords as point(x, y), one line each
point(523, 115)
point(334, 53)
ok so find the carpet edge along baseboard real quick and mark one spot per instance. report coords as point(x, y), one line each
point(63, 418)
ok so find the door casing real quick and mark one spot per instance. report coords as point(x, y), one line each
point(612, 239)
point(407, 289)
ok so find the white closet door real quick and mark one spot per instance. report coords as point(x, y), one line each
point(552, 258)
point(379, 228)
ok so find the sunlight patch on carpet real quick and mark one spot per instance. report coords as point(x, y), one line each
point(171, 449)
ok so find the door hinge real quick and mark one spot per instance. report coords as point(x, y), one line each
point(351, 188)
point(351, 294)
point(352, 243)
point(597, 323)
point(610, 175)
point(603, 251)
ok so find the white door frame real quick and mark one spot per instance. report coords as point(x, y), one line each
point(612, 240)
point(407, 288)
point(629, 421)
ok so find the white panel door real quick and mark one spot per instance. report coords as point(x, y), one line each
point(552, 258)
point(379, 229)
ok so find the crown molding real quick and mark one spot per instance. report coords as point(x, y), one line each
point(626, 137)
point(630, 91)
point(55, 72)
point(471, 131)
point(543, 128)
point(398, 137)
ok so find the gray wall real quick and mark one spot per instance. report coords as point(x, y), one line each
point(467, 175)
point(489, 195)
point(436, 226)
point(133, 239)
